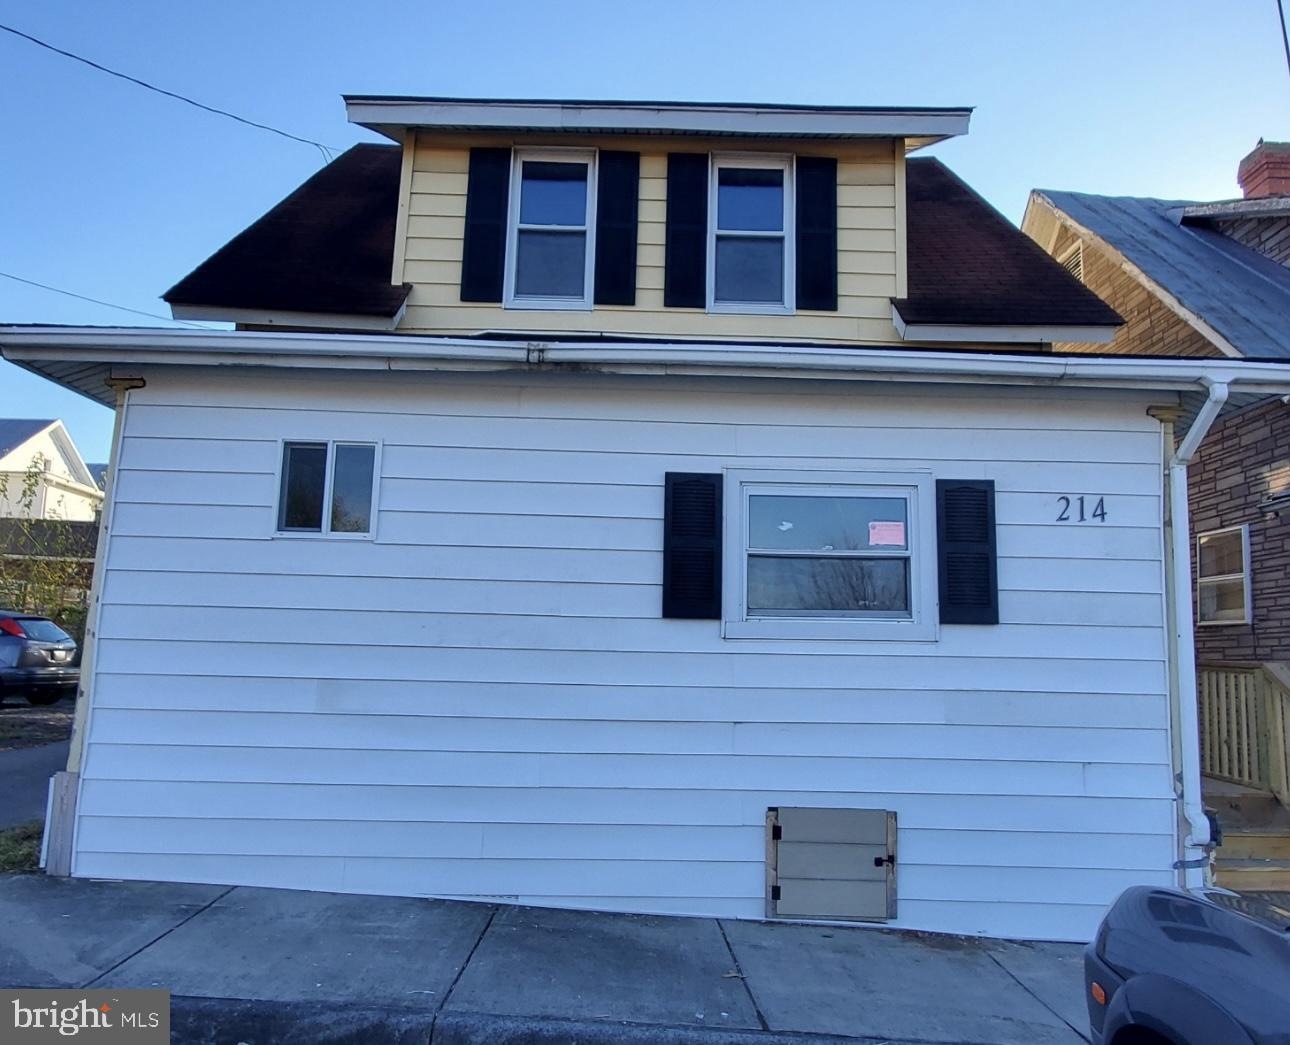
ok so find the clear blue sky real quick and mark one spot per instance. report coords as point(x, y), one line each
point(114, 192)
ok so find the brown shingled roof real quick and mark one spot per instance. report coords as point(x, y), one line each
point(969, 265)
point(328, 247)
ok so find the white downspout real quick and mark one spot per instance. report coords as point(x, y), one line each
point(1196, 846)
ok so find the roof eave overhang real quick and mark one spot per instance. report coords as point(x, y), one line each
point(390, 116)
point(83, 358)
point(284, 318)
point(1003, 333)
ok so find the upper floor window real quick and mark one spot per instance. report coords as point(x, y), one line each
point(327, 488)
point(750, 234)
point(549, 247)
point(1223, 576)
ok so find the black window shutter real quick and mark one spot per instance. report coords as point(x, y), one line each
point(617, 205)
point(685, 278)
point(968, 569)
point(817, 233)
point(483, 257)
point(692, 545)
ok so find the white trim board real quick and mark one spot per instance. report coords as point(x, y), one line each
point(384, 114)
point(965, 333)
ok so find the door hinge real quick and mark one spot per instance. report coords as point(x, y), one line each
point(774, 892)
point(776, 832)
point(889, 860)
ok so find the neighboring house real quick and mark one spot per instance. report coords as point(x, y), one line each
point(65, 488)
point(1211, 279)
point(647, 507)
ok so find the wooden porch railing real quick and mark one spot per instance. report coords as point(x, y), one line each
point(1245, 725)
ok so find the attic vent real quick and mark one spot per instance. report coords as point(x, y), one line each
point(1073, 261)
point(831, 864)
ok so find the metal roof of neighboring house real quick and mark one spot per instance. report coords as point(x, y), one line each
point(328, 247)
point(16, 431)
point(98, 472)
point(1243, 295)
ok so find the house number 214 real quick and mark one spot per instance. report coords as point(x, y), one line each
point(1075, 509)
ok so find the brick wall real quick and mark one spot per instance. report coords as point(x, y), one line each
point(1150, 328)
point(1244, 461)
point(1269, 236)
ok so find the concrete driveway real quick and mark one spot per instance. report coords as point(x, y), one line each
point(261, 965)
point(24, 781)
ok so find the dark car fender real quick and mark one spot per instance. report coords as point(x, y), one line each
point(1173, 1009)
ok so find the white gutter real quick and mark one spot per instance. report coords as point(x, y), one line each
point(1196, 846)
point(128, 346)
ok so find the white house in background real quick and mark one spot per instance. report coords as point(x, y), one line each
point(66, 489)
point(659, 508)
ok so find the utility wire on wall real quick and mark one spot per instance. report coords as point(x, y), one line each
point(327, 151)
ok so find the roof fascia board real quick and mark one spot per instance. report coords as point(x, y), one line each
point(1010, 334)
point(276, 318)
point(1167, 299)
point(71, 456)
point(142, 346)
point(1267, 207)
point(626, 118)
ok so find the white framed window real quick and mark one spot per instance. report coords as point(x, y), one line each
point(750, 234)
point(830, 555)
point(328, 488)
point(551, 233)
point(1223, 576)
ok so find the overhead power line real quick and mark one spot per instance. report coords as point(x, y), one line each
point(97, 301)
point(1285, 40)
point(326, 150)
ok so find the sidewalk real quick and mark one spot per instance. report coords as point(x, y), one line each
point(262, 966)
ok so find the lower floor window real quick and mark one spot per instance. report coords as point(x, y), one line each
point(813, 557)
point(327, 488)
point(828, 554)
point(1223, 576)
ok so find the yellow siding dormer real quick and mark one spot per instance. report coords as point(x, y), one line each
point(871, 244)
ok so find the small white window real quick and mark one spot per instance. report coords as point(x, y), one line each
point(828, 555)
point(550, 242)
point(750, 234)
point(327, 488)
point(1223, 576)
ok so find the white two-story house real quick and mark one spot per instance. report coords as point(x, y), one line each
point(644, 507)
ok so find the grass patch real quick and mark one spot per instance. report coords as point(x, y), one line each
point(20, 847)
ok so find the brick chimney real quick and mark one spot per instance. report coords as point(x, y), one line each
point(1265, 171)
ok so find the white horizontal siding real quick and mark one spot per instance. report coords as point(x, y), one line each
point(485, 701)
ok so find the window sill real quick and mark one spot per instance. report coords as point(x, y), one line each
point(718, 309)
point(310, 535)
point(1223, 623)
point(547, 305)
point(851, 630)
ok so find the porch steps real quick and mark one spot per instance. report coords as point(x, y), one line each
point(1255, 854)
point(1253, 875)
